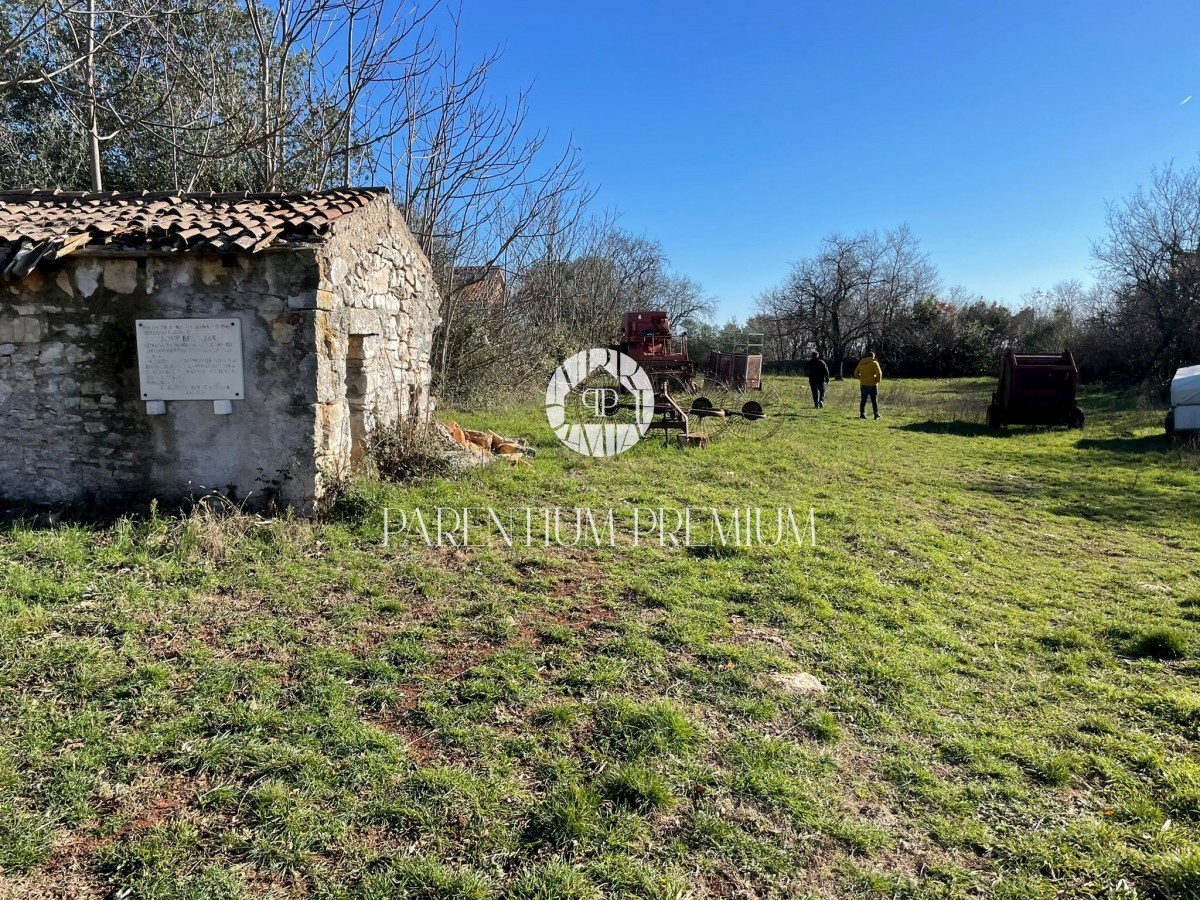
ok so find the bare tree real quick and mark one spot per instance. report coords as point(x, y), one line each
point(848, 296)
point(568, 289)
point(475, 180)
point(827, 289)
point(1151, 262)
point(896, 273)
point(790, 330)
point(334, 85)
point(331, 81)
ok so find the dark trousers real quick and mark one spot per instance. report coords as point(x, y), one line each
point(871, 391)
point(818, 392)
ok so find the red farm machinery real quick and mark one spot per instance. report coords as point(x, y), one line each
point(646, 338)
point(1036, 389)
point(731, 399)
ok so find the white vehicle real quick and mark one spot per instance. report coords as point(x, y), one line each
point(1185, 402)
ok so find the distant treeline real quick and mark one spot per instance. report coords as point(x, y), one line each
point(952, 338)
point(1137, 323)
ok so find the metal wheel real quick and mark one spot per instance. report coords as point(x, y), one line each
point(749, 413)
point(684, 385)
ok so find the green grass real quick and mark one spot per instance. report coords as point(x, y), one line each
point(1005, 625)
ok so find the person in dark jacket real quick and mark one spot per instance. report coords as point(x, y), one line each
point(818, 377)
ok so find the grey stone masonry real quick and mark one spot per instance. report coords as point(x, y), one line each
point(336, 339)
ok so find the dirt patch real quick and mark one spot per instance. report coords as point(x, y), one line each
point(397, 720)
point(62, 884)
point(456, 559)
point(68, 874)
point(755, 636)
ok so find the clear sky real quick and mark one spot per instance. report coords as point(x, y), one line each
point(740, 133)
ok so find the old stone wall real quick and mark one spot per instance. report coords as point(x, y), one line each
point(336, 340)
point(75, 427)
point(377, 310)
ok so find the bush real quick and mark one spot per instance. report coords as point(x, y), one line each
point(406, 451)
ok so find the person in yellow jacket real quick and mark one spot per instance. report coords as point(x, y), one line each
point(869, 374)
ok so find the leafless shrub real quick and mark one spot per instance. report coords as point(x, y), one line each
point(213, 528)
point(405, 451)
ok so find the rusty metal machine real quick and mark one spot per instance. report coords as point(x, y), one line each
point(719, 409)
point(1036, 389)
point(738, 364)
point(646, 338)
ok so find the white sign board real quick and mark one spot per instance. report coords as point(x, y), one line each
point(190, 359)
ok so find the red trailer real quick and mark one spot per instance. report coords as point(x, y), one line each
point(1036, 389)
point(737, 365)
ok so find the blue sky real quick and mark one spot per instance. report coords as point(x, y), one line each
point(739, 134)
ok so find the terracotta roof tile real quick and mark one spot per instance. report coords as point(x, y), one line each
point(37, 226)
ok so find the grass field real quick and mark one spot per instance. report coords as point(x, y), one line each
point(1005, 625)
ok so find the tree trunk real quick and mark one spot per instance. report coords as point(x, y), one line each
point(839, 348)
point(93, 113)
point(349, 92)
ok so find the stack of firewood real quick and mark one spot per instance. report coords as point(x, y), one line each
point(487, 443)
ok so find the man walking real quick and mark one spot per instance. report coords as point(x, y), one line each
point(818, 377)
point(869, 374)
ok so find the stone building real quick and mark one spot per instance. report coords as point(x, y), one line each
point(156, 345)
